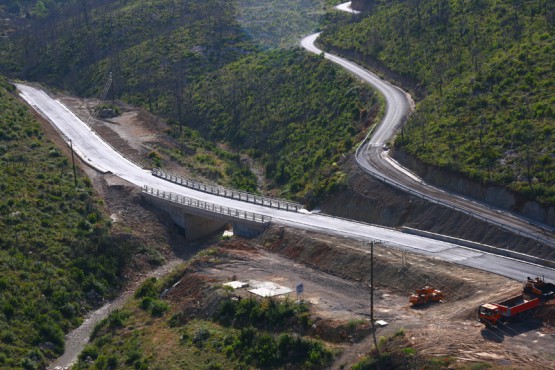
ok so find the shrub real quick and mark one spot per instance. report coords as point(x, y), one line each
point(147, 289)
point(91, 351)
point(158, 308)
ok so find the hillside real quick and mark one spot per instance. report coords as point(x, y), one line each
point(288, 110)
point(151, 47)
point(59, 254)
point(482, 72)
point(205, 66)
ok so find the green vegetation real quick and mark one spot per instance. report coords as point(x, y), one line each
point(485, 71)
point(152, 48)
point(195, 63)
point(246, 333)
point(269, 314)
point(395, 353)
point(263, 349)
point(33, 8)
point(279, 23)
point(57, 255)
point(297, 113)
point(201, 157)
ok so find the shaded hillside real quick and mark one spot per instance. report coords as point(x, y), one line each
point(152, 48)
point(483, 72)
point(16, 9)
point(290, 110)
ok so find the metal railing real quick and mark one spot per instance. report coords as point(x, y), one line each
point(207, 206)
point(228, 193)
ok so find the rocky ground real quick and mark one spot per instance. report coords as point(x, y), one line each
point(335, 272)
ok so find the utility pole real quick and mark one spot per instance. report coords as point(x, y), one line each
point(372, 321)
point(112, 88)
point(372, 282)
point(73, 163)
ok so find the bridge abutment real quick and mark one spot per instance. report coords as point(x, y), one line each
point(197, 227)
point(201, 221)
point(248, 230)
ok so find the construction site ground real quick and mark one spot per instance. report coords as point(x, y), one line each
point(336, 272)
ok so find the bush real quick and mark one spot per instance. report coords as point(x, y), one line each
point(146, 303)
point(90, 350)
point(264, 350)
point(147, 289)
point(158, 308)
point(51, 332)
point(269, 314)
point(117, 318)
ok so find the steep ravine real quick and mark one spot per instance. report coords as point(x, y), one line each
point(369, 200)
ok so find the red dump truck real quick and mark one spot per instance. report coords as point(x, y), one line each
point(491, 313)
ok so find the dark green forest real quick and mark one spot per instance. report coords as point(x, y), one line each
point(57, 254)
point(197, 64)
point(483, 72)
point(287, 109)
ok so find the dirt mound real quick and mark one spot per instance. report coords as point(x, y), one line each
point(546, 313)
point(195, 296)
point(339, 331)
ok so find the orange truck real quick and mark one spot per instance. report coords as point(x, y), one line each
point(492, 313)
point(425, 295)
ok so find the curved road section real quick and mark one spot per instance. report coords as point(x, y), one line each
point(372, 157)
point(98, 154)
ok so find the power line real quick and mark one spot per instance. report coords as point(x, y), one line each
point(102, 97)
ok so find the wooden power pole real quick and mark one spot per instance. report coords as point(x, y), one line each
point(73, 163)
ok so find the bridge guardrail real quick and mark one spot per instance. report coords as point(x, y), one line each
point(228, 193)
point(207, 206)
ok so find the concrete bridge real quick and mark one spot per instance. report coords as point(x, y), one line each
point(228, 193)
point(200, 219)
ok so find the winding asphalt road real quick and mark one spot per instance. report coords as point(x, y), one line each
point(373, 159)
point(98, 154)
